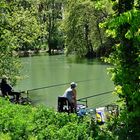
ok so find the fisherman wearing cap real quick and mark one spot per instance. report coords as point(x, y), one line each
point(7, 89)
point(70, 94)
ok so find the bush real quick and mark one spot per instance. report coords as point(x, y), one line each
point(37, 123)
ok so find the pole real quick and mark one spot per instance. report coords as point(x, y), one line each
point(85, 98)
point(56, 85)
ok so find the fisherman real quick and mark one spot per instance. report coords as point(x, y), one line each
point(70, 94)
point(7, 89)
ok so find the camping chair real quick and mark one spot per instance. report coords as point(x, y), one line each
point(64, 105)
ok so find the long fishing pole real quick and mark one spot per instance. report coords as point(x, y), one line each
point(99, 94)
point(56, 85)
point(84, 99)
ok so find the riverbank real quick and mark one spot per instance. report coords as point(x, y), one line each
point(44, 123)
point(28, 53)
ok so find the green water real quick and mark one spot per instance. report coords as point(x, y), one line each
point(43, 71)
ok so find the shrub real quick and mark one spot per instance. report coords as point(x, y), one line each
point(20, 122)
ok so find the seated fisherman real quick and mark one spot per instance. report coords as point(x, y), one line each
point(70, 94)
point(6, 89)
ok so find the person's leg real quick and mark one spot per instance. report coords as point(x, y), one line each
point(13, 96)
point(17, 94)
point(72, 108)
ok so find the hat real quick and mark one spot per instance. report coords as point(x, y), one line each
point(73, 84)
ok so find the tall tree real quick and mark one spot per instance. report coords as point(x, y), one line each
point(81, 27)
point(19, 29)
point(125, 27)
point(51, 13)
point(9, 65)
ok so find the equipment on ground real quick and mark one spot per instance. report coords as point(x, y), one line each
point(100, 114)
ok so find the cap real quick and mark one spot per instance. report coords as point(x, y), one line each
point(73, 85)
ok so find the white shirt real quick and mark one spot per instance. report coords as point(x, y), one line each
point(68, 94)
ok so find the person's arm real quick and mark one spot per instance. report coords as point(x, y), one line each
point(74, 97)
point(74, 94)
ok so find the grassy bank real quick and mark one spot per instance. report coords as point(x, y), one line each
point(40, 123)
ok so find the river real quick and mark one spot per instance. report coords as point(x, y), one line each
point(54, 73)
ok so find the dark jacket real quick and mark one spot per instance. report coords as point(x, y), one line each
point(5, 88)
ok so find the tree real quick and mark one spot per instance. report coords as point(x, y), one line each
point(19, 30)
point(124, 27)
point(9, 65)
point(28, 28)
point(81, 27)
point(50, 13)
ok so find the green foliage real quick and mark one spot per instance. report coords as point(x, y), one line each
point(131, 17)
point(124, 27)
point(50, 17)
point(81, 26)
point(26, 122)
point(20, 29)
point(9, 64)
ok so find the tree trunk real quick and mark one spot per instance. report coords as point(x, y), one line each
point(100, 38)
point(90, 53)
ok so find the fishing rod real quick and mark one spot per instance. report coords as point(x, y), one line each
point(56, 85)
point(95, 95)
point(84, 99)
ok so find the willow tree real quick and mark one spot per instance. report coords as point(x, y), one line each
point(81, 27)
point(125, 27)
